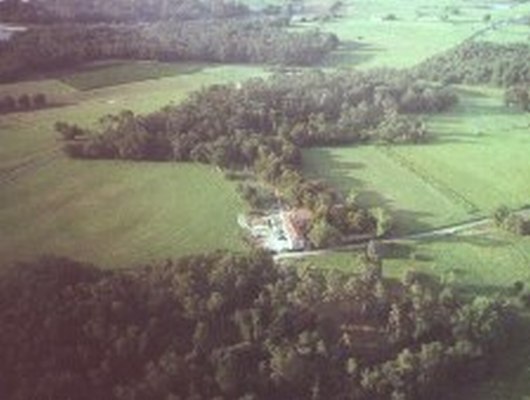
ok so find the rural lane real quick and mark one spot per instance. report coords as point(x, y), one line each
point(446, 231)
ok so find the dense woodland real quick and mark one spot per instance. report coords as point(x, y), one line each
point(480, 62)
point(86, 11)
point(229, 41)
point(224, 326)
point(261, 125)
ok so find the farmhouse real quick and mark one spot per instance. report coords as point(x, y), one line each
point(280, 230)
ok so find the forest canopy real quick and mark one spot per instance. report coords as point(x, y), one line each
point(480, 62)
point(60, 46)
point(261, 125)
point(117, 10)
point(236, 326)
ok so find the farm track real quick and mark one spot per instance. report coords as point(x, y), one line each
point(11, 174)
point(440, 232)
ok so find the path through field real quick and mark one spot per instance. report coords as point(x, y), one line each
point(483, 224)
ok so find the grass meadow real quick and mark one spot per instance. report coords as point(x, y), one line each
point(421, 29)
point(476, 160)
point(111, 213)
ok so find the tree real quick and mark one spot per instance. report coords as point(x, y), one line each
point(9, 103)
point(323, 234)
point(500, 215)
point(24, 102)
point(68, 132)
point(517, 96)
point(39, 100)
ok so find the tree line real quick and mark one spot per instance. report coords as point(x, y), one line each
point(24, 102)
point(237, 326)
point(502, 65)
point(261, 126)
point(253, 40)
point(90, 11)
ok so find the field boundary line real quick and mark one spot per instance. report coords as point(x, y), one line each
point(444, 189)
point(9, 175)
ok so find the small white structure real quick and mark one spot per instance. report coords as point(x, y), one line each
point(278, 231)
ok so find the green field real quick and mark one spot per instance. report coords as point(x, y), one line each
point(480, 262)
point(418, 31)
point(476, 160)
point(103, 74)
point(112, 213)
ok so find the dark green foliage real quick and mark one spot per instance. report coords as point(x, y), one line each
point(480, 62)
point(511, 221)
point(38, 100)
point(139, 10)
point(518, 96)
point(235, 125)
point(236, 326)
point(23, 11)
point(229, 41)
point(7, 104)
point(24, 102)
point(69, 132)
point(261, 126)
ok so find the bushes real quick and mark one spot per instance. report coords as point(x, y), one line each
point(510, 221)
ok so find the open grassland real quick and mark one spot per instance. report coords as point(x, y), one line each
point(391, 33)
point(483, 263)
point(112, 213)
point(118, 213)
point(477, 160)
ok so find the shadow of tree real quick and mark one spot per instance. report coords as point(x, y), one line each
point(350, 54)
point(323, 164)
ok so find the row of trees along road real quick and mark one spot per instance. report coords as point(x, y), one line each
point(261, 126)
point(225, 326)
point(254, 40)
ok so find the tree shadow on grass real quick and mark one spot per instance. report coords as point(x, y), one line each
point(479, 240)
point(351, 54)
point(338, 174)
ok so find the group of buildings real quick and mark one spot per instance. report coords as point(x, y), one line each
point(280, 230)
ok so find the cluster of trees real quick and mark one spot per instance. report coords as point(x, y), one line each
point(87, 11)
point(518, 96)
point(225, 326)
point(22, 11)
point(261, 126)
point(510, 221)
point(242, 41)
point(24, 102)
point(480, 62)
